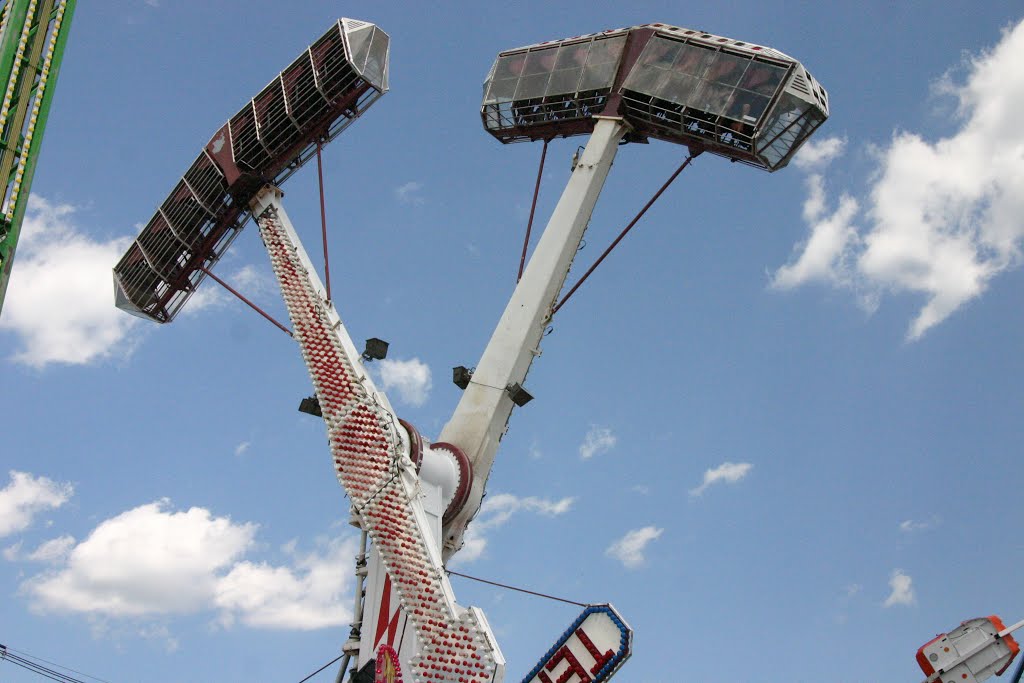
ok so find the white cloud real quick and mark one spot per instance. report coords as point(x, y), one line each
point(908, 526)
point(241, 448)
point(902, 590)
point(253, 282)
point(829, 250)
point(314, 594)
point(152, 562)
point(852, 590)
point(159, 633)
point(60, 302)
point(409, 193)
point(25, 497)
point(145, 561)
point(817, 153)
point(598, 440)
point(53, 551)
point(629, 550)
point(12, 552)
point(941, 219)
point(410, 378)
point(495, 511)
point(728, 472)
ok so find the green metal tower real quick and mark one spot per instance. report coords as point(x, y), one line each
point(33, 34)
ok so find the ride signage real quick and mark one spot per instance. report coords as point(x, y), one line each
point(591, 650)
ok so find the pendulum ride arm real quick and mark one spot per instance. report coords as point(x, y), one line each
point(481, 417)
point(371, 457)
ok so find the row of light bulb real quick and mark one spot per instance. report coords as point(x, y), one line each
point(5, 17)
point(413, 558)
point(19, 55)
point(298, 301)
point(36, 104)
point(424, 567)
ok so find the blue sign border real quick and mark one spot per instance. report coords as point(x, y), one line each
point(613, 664)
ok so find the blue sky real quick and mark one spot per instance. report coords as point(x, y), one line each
point(778, 429)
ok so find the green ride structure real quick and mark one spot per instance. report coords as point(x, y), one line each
point(33, 35)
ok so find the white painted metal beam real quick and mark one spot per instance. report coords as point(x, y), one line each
point(481, 417)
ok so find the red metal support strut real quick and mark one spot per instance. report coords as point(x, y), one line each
point(244, 300)
point(622, 234)
point(323, 218)
point(533, 208)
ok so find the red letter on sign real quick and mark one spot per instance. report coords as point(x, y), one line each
point(574, 667)
point(600, 659)
point(383, 621)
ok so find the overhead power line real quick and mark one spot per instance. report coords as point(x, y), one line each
point(36, 666)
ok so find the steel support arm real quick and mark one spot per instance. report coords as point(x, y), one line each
point(481, 417)
point(270, 197)
point(371, 453)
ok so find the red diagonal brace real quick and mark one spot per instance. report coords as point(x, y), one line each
point(323, 219)
point(533, 208)
point(244, 300)
point(624, 231)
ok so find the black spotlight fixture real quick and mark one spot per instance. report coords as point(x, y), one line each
point(311, 406)
point(518, 394)
point(376, 349)
point(461, 376)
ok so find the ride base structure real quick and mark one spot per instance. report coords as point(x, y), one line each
point(413, 499)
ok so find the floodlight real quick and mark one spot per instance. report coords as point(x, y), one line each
point(375, 349)
point(518, 394)
point(461, 376)
point(311, 406)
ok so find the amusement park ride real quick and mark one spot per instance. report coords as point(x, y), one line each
point(33, 34)
point(413, 499)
